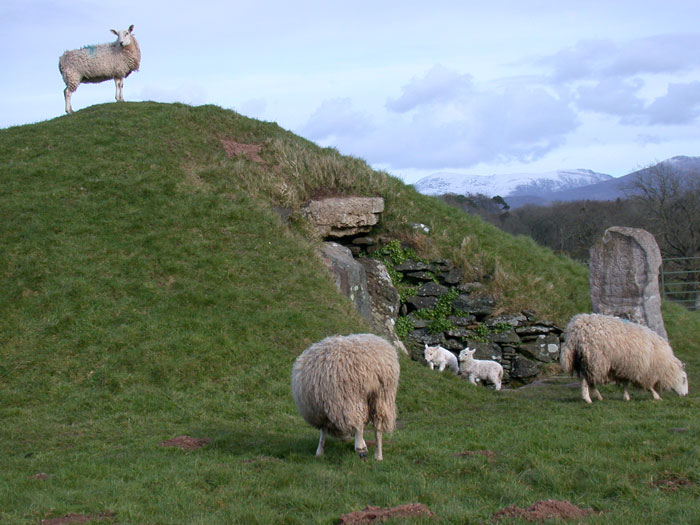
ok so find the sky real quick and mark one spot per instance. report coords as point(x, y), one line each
point(413, 88)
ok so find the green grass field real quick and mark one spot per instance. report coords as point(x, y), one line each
point(148, 290)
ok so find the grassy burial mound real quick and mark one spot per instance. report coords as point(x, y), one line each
point(156, 284)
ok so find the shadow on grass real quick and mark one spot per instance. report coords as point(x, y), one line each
point(249, 445)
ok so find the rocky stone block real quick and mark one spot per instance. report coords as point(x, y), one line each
point(432, 289)
point(344, 216)
point(349, 276)
point(545, 348)
point(523, 368)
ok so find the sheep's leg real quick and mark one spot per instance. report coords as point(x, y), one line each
point(321, 443)
point(431, 365)
point(656, 396)
point(584, 391)
point(442, 367)
point(497, 382)
point(596, 393)
point(625, 392)
point(378, 448)
point(472, 379)
point(66, 95)
point(119, 83)
point(360, 445)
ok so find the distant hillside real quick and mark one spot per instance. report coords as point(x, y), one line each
point(545, 188)
point(509, 184)
point(612, 189)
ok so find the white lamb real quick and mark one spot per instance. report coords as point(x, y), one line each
point(344, 382)
point(482, 370)
point(603, 348)
point(92, 64)
point(440, 357)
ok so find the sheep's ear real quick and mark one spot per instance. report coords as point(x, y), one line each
point(131, 28)
point(113, 31)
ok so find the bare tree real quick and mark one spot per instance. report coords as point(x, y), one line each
point(672, 200)
point(673, 203)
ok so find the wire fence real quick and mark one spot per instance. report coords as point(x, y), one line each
point(679, 281)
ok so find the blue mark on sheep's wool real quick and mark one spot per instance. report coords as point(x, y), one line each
point(90, 49)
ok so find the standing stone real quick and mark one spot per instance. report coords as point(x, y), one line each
point(349, 276)
point(384, 300)
point(624, 277)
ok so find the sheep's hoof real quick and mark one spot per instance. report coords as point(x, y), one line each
point(362, 453)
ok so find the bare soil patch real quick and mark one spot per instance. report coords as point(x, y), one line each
point(185, 442)
point(544, 510)
point(671, 482)
point(486, 453)
point(249, 151)
point(371, 514)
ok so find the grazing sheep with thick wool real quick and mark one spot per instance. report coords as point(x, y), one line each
point(92, 64)
point(483, 370)
point(440, 357)
point(603, 348)
point(342, 383)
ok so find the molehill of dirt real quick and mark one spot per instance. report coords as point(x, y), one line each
point(377, 514)
point(544, 510)
point(185, 442)
point(249, 151)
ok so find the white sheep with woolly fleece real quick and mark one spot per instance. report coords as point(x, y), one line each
point(440, 357)
point(342, 383)
point(91, 64)
point(603, 348)
point(480, 369)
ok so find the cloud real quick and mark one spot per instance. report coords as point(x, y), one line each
point(609, 78)
point(613, 96)
point(336, 118)
point(435, 126)
point(680, 105)
point(597, 59)
point(439, 85)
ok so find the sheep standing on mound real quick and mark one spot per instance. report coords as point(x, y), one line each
point(93, 64)
point(602, 348)
point(344, 382)
point(440, 357)
point(483, 370)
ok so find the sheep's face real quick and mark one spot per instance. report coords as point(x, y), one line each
point(466, 354)
point(430, 353)
point(681, 386)
point(123, 36)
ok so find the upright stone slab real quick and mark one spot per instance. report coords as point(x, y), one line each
point(624, 277)
point(384, 300)
point(349, 276)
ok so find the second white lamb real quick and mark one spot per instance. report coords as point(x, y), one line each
point(482, 370)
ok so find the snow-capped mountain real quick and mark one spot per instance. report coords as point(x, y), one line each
point(508, 184)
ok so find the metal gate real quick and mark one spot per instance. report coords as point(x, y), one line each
point(680, 281)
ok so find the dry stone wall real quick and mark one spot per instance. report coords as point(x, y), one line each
point(523, 344)
point(434, 306)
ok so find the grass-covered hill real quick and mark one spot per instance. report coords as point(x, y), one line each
point(150, 289)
